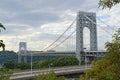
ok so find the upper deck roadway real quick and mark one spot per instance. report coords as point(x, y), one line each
point(28, 75)
point(64, 53)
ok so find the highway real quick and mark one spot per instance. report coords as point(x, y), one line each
point(27, 75)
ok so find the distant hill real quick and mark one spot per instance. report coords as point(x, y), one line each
point(7, 56)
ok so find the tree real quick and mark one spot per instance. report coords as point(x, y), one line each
point(2, 45)
point(108, 3)
point(1, 41)
point(56, 62)
point(22, 66)
point(5, 74)
point(107, 68)
point(1, 27)
point(9, 65)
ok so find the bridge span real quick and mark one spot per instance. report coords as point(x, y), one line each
point(62, 71)
point(64, 53)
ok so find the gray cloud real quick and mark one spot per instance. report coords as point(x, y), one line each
point(42, 21)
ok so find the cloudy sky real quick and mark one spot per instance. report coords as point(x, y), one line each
point(40, 22)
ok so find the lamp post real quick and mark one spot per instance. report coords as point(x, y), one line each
point(85, 58)
point(31, 63)
point(50, 66)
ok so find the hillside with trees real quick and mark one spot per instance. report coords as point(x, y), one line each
point(107, 68)
point(7, 56)
point(57, 62)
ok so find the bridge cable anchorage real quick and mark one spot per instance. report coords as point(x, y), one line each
point(65, 39)
point(60, 35)
point(96, 24)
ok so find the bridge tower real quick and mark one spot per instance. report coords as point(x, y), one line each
point(22, 50)
point(85, 19)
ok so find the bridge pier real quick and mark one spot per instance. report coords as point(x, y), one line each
point(19, 58)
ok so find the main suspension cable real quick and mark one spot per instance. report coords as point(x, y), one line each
point(96, 24)
point(64, 39)
point(60, 36)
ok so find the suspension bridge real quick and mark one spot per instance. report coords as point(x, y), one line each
point(72, 38)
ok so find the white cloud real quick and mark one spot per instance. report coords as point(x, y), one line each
point(40, 22)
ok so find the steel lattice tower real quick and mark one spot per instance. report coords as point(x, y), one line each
point(85, 19)
point(22, 50)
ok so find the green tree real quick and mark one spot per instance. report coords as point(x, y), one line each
point(48, 76)
point(108, 3)
point(10, 65)
point(5, 74)
point(14, 65)
point(56, 62)
point(1, 41)
point(107, 68)
point(22, 66)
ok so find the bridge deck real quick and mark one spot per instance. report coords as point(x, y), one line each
point(64, 53)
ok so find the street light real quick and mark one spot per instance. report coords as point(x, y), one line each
point(31, 62)
point(85, 58)
point(50, 66)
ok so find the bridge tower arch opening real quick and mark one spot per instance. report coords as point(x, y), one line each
point(86, 38)
point(85, 19)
